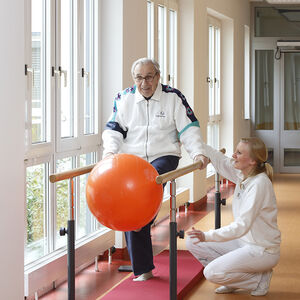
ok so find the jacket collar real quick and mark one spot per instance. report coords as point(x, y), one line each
point(156, 96)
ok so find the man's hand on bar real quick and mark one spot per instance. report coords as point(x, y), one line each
point(204, 160)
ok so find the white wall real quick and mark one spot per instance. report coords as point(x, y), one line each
point(123, 40)
point(12, 91)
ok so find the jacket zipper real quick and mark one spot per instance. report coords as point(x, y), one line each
point(147, 130)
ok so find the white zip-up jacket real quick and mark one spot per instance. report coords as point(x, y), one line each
point(152, 128)
point(254, 207)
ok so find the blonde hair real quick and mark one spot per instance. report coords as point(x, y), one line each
point(258, 152)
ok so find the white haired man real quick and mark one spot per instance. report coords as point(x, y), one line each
point(151, 120)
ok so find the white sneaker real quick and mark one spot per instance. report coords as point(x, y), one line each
point(264, 284)
point(144, 276)
point(224, 290)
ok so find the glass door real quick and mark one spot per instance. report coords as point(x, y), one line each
point(290, 114)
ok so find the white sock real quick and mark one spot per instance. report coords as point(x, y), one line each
point(144, 276)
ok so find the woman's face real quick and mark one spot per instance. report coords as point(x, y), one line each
point(242, 159)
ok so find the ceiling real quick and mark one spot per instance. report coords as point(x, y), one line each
point(279, 2)
point(283, 1)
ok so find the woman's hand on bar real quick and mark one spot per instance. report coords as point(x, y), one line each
point(204, 159)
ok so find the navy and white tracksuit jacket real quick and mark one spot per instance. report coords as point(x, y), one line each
point(154, 130)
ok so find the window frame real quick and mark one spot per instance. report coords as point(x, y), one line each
point(55, 148)
point(165, 68)
point(214, 85)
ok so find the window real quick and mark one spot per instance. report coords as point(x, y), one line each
point(37, 208)
point(165, 33)
point(246, 72)
point(281, 21)
point(62, 124)
point(213, 79)
point(150, 29)
point(264, 89)
point(172, 48)
point(162, 40)
point(40, 102)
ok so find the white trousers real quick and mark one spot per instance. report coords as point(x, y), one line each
point(232, 263)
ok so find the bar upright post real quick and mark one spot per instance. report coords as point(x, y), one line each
point(173, 242)
point(217, 202)
point(71, 243)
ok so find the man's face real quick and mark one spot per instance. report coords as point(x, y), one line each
point(146, 79)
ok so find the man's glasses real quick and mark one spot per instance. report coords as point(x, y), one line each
point(148, 78)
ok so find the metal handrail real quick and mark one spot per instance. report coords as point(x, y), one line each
point(169, 176)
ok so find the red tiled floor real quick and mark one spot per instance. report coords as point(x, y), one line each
point(90, 284)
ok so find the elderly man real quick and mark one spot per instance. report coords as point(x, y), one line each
point(151, 120)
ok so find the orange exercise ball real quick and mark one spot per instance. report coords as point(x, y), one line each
point(122, 194)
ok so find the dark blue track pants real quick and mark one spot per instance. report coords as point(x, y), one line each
point(139, 243)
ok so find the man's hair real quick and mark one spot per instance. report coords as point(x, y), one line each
point(145, 61)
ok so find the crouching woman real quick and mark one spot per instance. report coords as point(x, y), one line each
point(242, 254)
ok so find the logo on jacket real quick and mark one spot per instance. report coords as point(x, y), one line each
point(160, 114)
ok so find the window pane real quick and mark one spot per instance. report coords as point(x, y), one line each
point(246, 72)
point(36, 241)
point(217, 71)
point(270, 159)
point(162, 42)
point(66, 48)
point(277, 22)
point(86, 222)
point(264, 85)
point(38, 75)
point(291, 157)
point(172, 47)
point(90, 50)
point(292, 91)
point(213, 141)
point(211, 74)
point(62, 200)
point(150, 30)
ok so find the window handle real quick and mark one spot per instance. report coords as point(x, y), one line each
point(87, 75)
point(29, 70)
point(210, 81)
point(217, 82)
point(60, 72)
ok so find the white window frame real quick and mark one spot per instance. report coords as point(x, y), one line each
point(246, 72)
point(150, 29)
point(214, 85)
point(168, 5)
point(54, 147)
